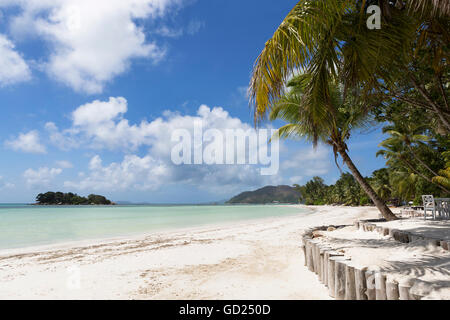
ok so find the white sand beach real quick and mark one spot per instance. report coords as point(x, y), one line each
point(260, 259)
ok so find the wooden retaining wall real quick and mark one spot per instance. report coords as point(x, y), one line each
point(400, 235)
point(347, 281)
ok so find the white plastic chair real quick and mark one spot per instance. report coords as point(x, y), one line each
point(428, 205)
point(443, 208)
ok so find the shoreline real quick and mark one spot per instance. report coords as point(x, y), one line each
point(257, 259)
point(142, 235)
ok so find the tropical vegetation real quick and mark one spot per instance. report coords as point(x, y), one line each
point(326, 74)
point(60, 198)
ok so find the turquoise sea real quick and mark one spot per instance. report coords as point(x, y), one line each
point(25, 225)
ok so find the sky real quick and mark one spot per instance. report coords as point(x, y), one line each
point(90, 93)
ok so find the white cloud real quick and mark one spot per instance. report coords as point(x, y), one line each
point(13, 68)
point(27, 142)
point(194, 26)
point(40, 177)
point(133, 172)
point(92, 41)
point(64, 164)
point(101, 124)
point(5, 185)
point(309, 162)
point(63, 140)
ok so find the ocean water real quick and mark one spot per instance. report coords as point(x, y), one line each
point(24, 225)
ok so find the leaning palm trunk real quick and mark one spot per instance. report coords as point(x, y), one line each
point(385, 211)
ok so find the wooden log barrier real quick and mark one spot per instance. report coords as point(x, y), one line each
point(345, 280)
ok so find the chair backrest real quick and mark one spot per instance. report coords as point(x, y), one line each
point(428, 201)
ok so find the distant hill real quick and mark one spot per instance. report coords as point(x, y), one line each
point(269, 194)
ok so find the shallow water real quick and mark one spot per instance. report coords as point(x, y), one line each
point(23, 226)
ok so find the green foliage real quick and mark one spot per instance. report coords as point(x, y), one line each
point(59, 198)
point(346, 191)
point(443, 178)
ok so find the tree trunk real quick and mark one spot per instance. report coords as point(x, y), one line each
point(385, 211)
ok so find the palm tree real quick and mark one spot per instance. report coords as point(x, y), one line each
point(404, 184)
point(396, 156)
point(409, 137)
point(328, 121)
point(443, 178)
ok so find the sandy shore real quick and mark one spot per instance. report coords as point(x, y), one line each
point(260, 259)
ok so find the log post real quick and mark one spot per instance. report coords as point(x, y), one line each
point(444, 245)
point(385, 231)
point(392, 292)
point(329, 268)
point(317, 257)
point(404, 286)
point(304, 254)
point(331, 277)
point(350, 289)
point(380, 286)
point(323, 263)
point(360, 283)
point(370, 285)
point(339, 277)
point(309, 254)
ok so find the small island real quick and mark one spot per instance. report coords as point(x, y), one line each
point(60, 198)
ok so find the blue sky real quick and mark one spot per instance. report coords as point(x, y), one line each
point(139, 68)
